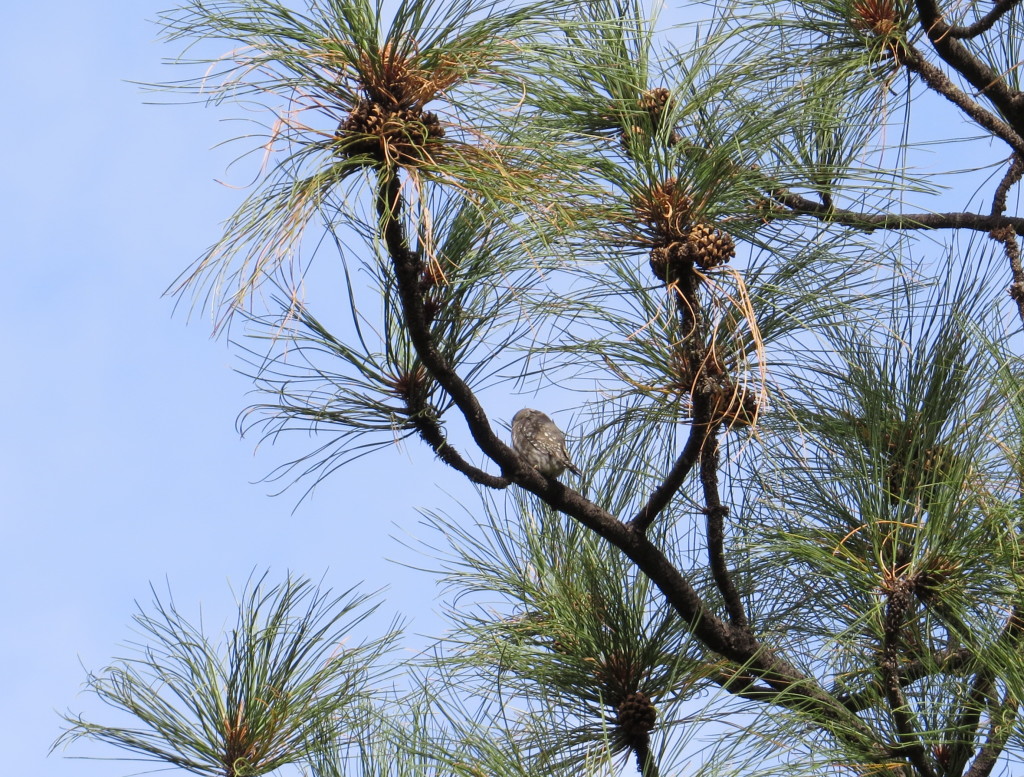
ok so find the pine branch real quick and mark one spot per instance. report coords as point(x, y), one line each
point(677, 589)
point(1009, 102)
point(984, 24)
point(408, 270)
point(742, 684)
point(999, 733)
point(896, 609)
point(716, 513)
point(645, 763)
point(938, 81)
point(662, 495)
point(793, 688)
point(896, 221)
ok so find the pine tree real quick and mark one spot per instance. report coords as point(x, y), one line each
point(760, 259)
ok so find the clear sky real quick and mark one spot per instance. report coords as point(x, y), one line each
point(121, 464)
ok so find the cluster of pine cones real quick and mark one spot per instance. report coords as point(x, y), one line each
point(703, 244)
point(379, 132)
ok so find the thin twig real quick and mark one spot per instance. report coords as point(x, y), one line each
point(896, 221)
point(1013, 175)
point(433, 434)
point(985, 22)
point(716, 513)
point(943, 663)
point(999, 732)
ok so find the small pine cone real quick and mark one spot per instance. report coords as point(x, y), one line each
point(711, 246)
point(659, 262)
point(636, 716)
point(364, 120)
point(654, 100)
point(669, 262)
point(936, 574)
point(626, 134)
point(356, 119)
point(766, 208)
point(734, 406)
point(432, 275)
point(433, 125)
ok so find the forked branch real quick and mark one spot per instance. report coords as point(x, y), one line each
point(792, 688)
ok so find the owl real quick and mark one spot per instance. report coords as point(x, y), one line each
point(536, 438)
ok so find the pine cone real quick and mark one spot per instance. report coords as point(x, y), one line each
point(711, 246)
point(672, 261)
point(636, 716)
point(654, 100)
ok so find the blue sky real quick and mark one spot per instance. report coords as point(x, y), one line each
point(121, 463)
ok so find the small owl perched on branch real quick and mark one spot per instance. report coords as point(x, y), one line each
point(536, 438)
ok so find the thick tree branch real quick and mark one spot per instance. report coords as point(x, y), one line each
point(742, 684)
point(982, 77)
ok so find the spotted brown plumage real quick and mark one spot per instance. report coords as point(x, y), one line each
point(536, 438)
